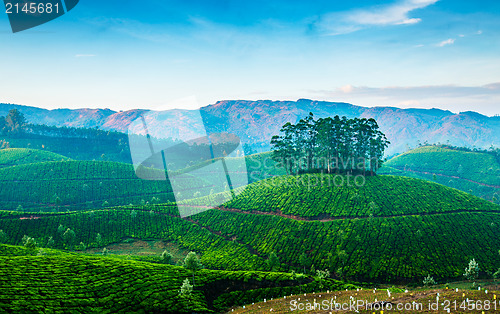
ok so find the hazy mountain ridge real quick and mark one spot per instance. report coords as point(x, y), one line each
point(256, 121)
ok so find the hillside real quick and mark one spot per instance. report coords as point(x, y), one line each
point(20, 156)
point(477, 173)
point(255, 122)
point(324, 196)
point(257, 166)
point(95, 145)
point(57, 281)
point(75, 185)
point(392, 230)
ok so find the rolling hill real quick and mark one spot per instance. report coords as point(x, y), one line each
point(55, 281)
point(477, 173)
point(393, 229)
point(75, 185)
point(20, 156)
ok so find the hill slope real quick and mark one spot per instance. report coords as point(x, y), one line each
point(21, 156)
point(429, 229)
point(477, 173)
point(77, 185)
point(57, 281)
point(325, 196)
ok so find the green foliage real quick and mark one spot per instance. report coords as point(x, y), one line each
point(20, 156)
point(429, 281)
point(3, 237)
point(69, 237)
point(166, 257)
point(304, 261)
point(473, 172)
point(321, 195)
point(113, 225)
point(82, 246)
point(77, 185)
point(496, 274)
point(330, 225)
point(50, 242)
point(192, 262)
point(98, 239)
point(62, 282)
point(273, 261)
point(186, 288)
point(13, 123)
point(330, 145)
point(472, 270)
point(76, 143)
point(321, 275)
point(29, 242)
point(389, 247)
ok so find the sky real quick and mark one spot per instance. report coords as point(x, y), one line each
point(163, 54)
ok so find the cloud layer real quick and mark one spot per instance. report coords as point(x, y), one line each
point(394, 14)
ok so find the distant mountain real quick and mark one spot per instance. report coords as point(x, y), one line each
point(255, 122)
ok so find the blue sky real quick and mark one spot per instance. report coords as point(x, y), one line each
point(163, 54)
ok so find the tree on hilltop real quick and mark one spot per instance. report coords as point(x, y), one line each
point(330, 145)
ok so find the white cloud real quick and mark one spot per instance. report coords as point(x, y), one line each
point(394, 14)
point(450, 41)
point(479, 32)
point(347, 89)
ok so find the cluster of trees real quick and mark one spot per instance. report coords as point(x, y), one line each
point(13, 123)
point(77, 143)
point(339, 145)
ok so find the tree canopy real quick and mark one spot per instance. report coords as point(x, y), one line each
point(13, 123)
point(330, 145)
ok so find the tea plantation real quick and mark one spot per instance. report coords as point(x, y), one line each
point(477, 173)
point(54, 281)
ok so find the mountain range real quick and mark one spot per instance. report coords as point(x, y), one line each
point(255, 122)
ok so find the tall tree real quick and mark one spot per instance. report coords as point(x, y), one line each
point(192, 262)
point(3, 125)
point(284, 147)
point(273, 261)
point(307, 133)
point(304, 261)
point(15, 121)
point(339, 143)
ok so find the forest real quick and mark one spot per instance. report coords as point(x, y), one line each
point(331, 145)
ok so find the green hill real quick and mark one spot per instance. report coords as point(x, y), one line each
point(333, 196)
point(71, 185)
point(257, 166)
point(19, 156)
point(37, 184)
point(54, 281)
point(393, 229)
point(477, 173)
